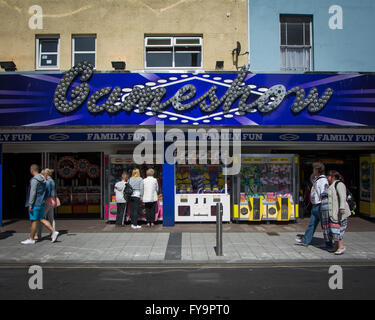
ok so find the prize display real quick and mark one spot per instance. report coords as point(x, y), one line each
point(267, 189)
point(367, 185)
point(117, 165)
point(199, 179)
point(198, 189)
point(78, 183)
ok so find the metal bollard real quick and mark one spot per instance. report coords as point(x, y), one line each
point(219, 229)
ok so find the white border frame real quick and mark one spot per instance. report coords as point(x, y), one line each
point(84, 36)
point(311, 67)
point(172, 46)
point(38, 52)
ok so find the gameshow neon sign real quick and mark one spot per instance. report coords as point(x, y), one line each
point(68, 100)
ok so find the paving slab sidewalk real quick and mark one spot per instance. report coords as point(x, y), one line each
point(180, 248)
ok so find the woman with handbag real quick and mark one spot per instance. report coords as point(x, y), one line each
point(120, 199)
point(150, 196)
point(339, 210)
point(51, 201)
point(136, 182)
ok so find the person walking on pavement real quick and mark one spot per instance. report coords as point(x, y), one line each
point(51, 202)
point(319, 187)
point(136, 182)
point(339, 210)
point(120, 200)
point(35, 204)
point(150, 196)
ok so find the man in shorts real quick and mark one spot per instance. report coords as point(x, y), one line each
point(35, 204)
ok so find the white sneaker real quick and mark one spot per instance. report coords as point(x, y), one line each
point(138, 227)
point(134, 227)
point(28, 241)
point(54, 236)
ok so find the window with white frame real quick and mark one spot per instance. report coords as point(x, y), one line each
point(173, 52)
point(48, 53)
point(84, 49)
point(296, 42)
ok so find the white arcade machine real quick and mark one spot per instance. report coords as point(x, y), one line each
point(198, 189)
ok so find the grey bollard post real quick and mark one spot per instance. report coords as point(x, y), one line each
point(219, 229)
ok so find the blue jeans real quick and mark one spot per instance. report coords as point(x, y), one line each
point(316, 217)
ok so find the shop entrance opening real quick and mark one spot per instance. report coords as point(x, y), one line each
point(16, 178)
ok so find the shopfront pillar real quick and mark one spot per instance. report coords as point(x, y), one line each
point(168, 195)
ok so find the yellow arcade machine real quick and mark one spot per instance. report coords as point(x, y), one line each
point(268, 188)
point(367, 185)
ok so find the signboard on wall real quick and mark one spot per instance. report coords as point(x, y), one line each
point(84, 97)
point(130, 137)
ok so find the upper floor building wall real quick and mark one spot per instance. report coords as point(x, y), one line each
point(342, 38)
point(120, 28)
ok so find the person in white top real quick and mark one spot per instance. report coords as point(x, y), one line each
point(318, 190)
point(120, 200)
point(150, 196)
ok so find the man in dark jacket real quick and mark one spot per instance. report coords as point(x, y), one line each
point(35, 204)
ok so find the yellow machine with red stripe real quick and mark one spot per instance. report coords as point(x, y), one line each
point(267, 188)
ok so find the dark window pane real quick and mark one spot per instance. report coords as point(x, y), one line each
point(48, 60)
point(80, 57)
point(295, 34)
point(187, 41)
point(295, 18)
point(49, 45)
point(84, 43)
point(158, 49)
point(307, 34)
point(187, 59)
point(159, 42)
point(182, 49)
point(283, 34)
point(162, 59)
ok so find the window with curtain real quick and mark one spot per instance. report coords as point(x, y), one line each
point(296, 43)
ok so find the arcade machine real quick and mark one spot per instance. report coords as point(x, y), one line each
point(268, 188)
point(78, 184)
point(116, 165)
point(198, 189)
point(367, 185)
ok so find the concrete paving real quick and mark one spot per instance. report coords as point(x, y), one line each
point(186, 248)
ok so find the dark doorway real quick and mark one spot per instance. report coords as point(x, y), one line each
point(16, 178)
point(345, 162)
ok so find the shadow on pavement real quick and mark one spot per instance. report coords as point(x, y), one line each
point(6, 234)
point(61, 232)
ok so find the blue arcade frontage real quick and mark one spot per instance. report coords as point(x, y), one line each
point(97, 114)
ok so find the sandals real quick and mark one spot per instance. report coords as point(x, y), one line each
point(340, 251)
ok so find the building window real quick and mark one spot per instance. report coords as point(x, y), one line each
point(84, 49)
point(173, 52)
point(296, 42)
point(47, 55)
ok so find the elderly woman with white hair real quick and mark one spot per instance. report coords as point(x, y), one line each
point(150, 196)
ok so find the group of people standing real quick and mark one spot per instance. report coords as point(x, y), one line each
point(143, 190)
point(41, 201)
point(329, 207)
point(328, 198)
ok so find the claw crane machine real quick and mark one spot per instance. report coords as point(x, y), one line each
point(198, 189)
point(268, 188)
point(367, 185)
